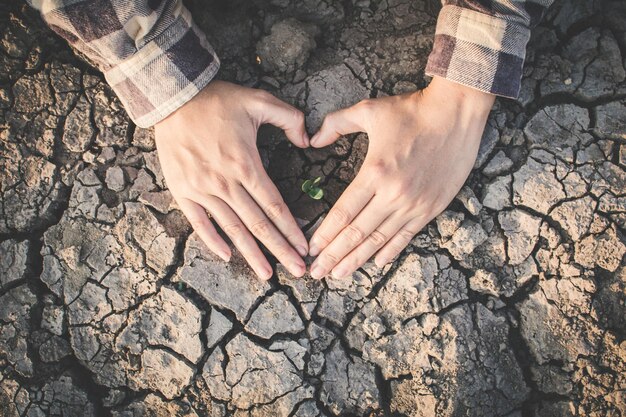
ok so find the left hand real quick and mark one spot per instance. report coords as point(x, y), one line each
point(422, 147)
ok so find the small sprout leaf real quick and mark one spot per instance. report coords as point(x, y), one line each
point(306, 186)
point(316, 193)
point(310, 188)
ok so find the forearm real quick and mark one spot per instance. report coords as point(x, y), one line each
point(155, 59)
point(484, 47)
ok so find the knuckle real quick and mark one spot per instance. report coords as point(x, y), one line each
point(275, 210)
point(403, 188)
point(354, 234)
point(298, 116)
point(234, 230)
point(282, 252)
point(244, 170)
point(329, 259)
point(378, 169)
point(322, 239)
point(396, 247)
point(263, 95)
point(405, 235)
point(261, 229)
point(221, 184)
point(365, 105)
point(339, 216)
point(400, 193)
point(196, 183)
point(377, 238)
point(198, 223)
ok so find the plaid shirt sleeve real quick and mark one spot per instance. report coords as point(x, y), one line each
point(150, 51)
point(482, 43)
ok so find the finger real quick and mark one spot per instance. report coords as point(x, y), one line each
point(400, 241)
point(263, 229)
point(350, 237)
point(239, 234)
point(372, 244)
point(339, 123)
point(349, 205)
point(203, 226)
point(267, 196)
point(286, 117)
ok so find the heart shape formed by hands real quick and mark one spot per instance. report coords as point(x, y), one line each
point(422, 147)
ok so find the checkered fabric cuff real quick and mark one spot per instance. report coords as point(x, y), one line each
point(165, 73)
point(479, 51)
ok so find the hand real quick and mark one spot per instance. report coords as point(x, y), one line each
point(422, 147)
point(211, 164)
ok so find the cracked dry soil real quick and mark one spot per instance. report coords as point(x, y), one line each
point(511, 303)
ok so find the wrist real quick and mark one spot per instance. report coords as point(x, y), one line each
point(190, 111)
point(465, 100)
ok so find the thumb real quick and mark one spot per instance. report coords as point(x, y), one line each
point(337, 124)
point(286, 117)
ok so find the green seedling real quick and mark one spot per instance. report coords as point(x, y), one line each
point(312, 189)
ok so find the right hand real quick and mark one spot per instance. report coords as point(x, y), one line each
point(211, 163)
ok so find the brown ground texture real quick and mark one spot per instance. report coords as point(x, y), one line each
point(511, 303)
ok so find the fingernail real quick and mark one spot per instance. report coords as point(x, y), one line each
point(298, 269)
point(224, 255)
point(317, 272)
point(300, 263)
point(340, 272)
point(314, 250)
point(301, 250)
point(266, 274)
point(380, 263)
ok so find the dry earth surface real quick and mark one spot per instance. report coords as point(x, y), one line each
point(512, 303)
